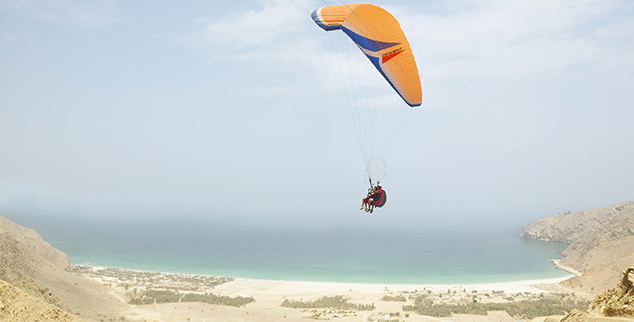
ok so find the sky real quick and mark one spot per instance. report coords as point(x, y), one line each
point(226, 110)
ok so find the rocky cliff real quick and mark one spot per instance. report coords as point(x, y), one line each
point(601, 243)
point(10, 231)
point(616, 302)
point(32, 265)
point(569, 227)
point(17, 305)
point(610, 305)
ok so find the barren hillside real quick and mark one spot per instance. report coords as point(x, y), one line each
point(615, 304)
point(17, 305)
point(601, 243)
point(29, 263)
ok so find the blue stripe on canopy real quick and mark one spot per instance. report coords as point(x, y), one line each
point(367, 43)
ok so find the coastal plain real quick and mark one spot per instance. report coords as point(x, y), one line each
point(268, 296)
point(40, 284)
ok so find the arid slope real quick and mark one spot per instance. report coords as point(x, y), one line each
point(17, 305)
point(29, 263)
point(601, 243)
point(615, 304)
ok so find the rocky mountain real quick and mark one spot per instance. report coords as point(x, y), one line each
point(610, 305)
point(616, 302)
point(601, 243)
point(32, 265)
point(17, 305)
point(569, 227)
point(10, 231)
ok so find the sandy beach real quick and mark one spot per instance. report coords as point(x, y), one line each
point(250, 287)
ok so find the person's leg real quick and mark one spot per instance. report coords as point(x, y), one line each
point(362, 204)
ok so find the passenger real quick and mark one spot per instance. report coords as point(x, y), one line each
point(365, 202)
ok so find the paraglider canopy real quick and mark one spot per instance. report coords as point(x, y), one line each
point(379, 36)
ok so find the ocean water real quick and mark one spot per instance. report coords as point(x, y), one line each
point(345, 254)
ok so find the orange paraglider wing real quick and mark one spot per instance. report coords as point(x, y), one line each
point(379, 36)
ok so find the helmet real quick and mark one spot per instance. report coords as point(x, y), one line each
point(379, 185)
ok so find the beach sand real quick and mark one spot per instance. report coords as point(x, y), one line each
point(252, 287)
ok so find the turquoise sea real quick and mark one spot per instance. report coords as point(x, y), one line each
point(398, 255)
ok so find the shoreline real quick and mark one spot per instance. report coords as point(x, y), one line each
point(516, 286)
point(559, 265)
point(509, 287)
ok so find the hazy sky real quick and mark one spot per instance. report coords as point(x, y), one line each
point(222, 109)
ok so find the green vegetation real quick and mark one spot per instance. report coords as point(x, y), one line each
point(414, 297)
point(527, 309)
point(218, 300)
point(397, 298)
point(334, 302)
point(167, 296)
point(149, 296)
